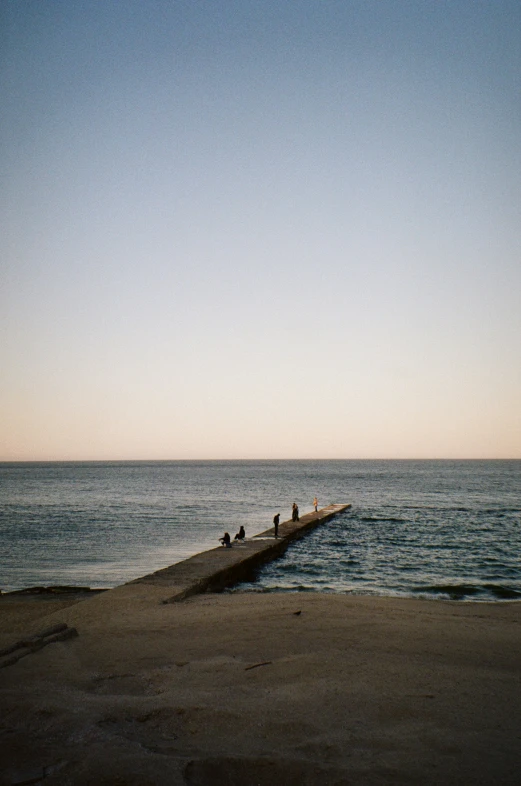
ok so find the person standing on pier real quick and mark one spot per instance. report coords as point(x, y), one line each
point(294, 512)
point(276, 520)
point(315, 503)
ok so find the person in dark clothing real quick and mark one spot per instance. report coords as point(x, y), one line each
point(294, 512)
point(241, 534)
point(226, 541)
point(276, 520)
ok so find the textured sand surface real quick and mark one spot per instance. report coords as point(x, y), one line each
point(290, 689)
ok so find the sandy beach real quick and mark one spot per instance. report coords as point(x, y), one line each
point(257, 689)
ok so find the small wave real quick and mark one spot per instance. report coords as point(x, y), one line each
point(247, 587)
point(461, 591)
point(454, 591)
point(458, 510)
point(499, 511)
point(283, 588)
point(505, 593)
point(384, 518)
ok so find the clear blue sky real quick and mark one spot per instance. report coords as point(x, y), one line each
point(260, 229)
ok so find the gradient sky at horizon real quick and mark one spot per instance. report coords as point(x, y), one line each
point(245, 229)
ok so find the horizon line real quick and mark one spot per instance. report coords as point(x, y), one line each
point(187, 460)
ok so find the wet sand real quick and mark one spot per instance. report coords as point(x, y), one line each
point(257, 689)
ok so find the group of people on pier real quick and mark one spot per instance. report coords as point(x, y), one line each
point(226, 540)
point(241, 535)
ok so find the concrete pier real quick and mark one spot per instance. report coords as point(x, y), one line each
point(222, 567)
point(211, 570)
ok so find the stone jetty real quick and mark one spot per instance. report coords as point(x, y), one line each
point(222, 567)
point(209, 571)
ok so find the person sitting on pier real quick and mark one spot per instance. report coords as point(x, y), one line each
point(226, 541)
point(241, 534)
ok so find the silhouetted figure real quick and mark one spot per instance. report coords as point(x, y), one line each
point(276, 520)
point(241, 534)
point(294, 512)
point(225, 540)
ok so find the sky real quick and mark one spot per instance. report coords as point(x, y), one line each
point(234, 229)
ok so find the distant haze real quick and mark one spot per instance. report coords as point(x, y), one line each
point(260, 229)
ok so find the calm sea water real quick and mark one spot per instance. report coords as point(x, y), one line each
point(447, 529)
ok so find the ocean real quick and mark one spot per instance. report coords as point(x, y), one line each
point(437, 529)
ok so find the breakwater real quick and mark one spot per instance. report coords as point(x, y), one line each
point(222, 567)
